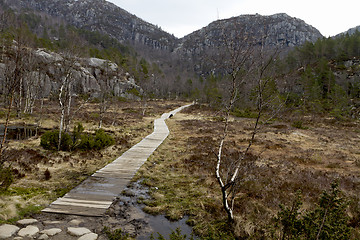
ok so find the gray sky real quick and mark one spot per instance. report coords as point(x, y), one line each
point(181, 17)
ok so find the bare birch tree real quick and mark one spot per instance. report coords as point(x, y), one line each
point(108, 71)
point(15, 59)
point(252, 63)
point(66, 68)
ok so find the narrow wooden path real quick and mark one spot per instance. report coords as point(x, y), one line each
point(95, 195)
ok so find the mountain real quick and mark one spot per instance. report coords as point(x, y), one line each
point(351, 31)
point(165, 62)
point(101, 16)
point(278, 30)
point(107, 18)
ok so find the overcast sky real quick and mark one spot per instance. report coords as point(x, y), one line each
point(181, 17)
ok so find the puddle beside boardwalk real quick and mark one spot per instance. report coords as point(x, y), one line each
point(20, 132)
point(154, 224)
point(160, 224)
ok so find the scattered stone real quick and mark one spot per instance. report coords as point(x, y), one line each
point(53, 222)
point(7, 230)
point(128, 192)
point(27, 221)
point(51, 232)
point(18, 238)
point(29, 231)
point(78, 231)
point(89, 236)
point(43, 237)
point(131, 229)
point(75, 222)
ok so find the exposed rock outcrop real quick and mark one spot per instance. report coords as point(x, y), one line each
point(89, 75)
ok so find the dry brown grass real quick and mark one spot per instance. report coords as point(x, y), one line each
point(124, 120)
point(282, 161)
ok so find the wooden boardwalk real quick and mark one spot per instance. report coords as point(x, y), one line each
point(95, 195)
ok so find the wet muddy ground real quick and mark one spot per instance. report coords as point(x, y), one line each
point(125, 213)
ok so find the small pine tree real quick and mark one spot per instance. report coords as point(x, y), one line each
point(328, 220)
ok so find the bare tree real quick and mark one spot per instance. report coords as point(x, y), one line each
point(32, 84)
point(65, 74)
point(252, 63)
point(107, 72)
point(15, 59)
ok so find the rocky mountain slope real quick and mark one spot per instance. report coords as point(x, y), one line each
point(107, 18)
point(277, 29)
point(178, 59)
point(101, 16)
point(351, 31)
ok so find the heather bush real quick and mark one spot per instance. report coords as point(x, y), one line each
point(77, 141)
point(50, 141)
point(6, 177)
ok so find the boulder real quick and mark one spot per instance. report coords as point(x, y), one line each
point(27, 221)
point(51, 231)
point(29, 231)
point(43, 237)
point(89, 236)
point(7, 231)
point(78, 231)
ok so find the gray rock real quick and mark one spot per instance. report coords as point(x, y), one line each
point(78, 231)
point(7, 230)
point(44, 237)
point(89, 236)
point(51, 231)
point(53, 222)
point(27, 221)
point(75, 222)
point(87, 75)
point(29, 231)
point(48, 57)
point(101, 63)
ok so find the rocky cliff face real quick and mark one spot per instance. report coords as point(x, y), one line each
point(89, 75)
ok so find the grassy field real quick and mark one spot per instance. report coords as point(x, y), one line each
point(285, 158)
point(288, 155)
point(40, 176)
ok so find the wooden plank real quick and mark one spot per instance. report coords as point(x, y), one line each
point(95, 195)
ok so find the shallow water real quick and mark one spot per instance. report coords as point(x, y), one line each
point(19, 132)
point(158, 224)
